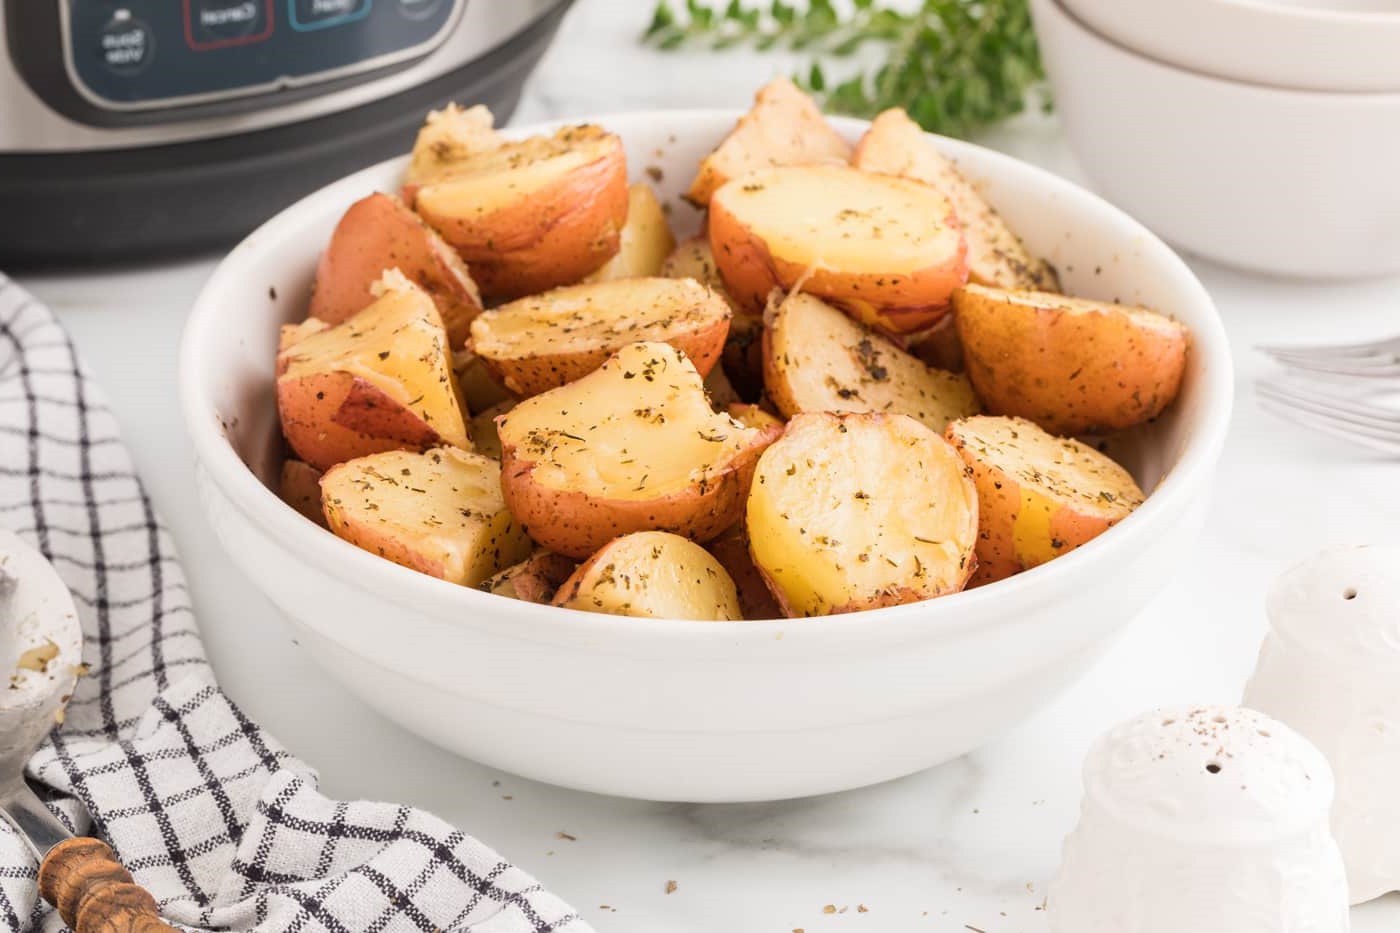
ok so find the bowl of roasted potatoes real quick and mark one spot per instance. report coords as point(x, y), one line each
point(705, 455)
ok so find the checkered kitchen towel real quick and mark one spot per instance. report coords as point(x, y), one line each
point(209, 812)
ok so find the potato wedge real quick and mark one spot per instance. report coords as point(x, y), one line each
point(1039, 496)
point(440, 512)
point(817, 359)
point(300, 487)
point(448, 137)
point(379, 233)
point(652, 575)
point(731, 549)
point(534, 580)
point(753, 416)
point(380, 381)
point(549, 340)
point(784, 127)
point(1070, 365)
point(888, 251)
point(646, 239)
point(858, 511)
point(484, 434)
point(534, 214)
point(896, 145)
point(633, 446)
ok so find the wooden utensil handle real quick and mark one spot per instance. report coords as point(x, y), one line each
point(94, 893)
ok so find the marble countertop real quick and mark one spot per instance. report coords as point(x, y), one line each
point(966, 846)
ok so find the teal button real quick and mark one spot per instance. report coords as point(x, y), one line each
point(308, 15)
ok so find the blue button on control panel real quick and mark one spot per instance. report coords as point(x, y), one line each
point(310, 15)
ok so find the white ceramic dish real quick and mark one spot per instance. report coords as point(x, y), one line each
point(1317, 45)
point(1293, 183)
point(698, 711)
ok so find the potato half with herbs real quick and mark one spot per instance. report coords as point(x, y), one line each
point(896, 145)
point(554, 338)
point(888, 251)
point(439, 512)
point(448, 137)
point(646, 239)
point(1070, 365)
point(531, 214)
point(534, 580)
point(379, 233)
point(381, 380)
point(633, 446)
point(859, 511)
point(653, 575)
point(784, 127)
point(1039, 496)
point(817, 359)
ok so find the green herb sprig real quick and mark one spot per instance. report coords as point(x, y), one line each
point(956, 66)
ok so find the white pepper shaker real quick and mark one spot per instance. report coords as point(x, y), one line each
point(1330, 668)
point(1211, 819)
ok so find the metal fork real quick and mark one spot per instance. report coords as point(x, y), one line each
point(1376, 359)
point(1307, 403)
point(1338, 390)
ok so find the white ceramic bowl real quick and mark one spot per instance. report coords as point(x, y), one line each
point(1315, 45)
point(698, 711)
point(1295, 183)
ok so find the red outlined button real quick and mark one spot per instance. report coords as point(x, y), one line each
point(217, 24)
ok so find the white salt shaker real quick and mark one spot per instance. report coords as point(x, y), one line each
point(1204, 819)
point(1330, 668)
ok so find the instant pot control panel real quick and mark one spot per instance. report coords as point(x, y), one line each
point(127, 61)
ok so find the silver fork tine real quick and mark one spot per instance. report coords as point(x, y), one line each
point(1387, 345)
point(1329, 427)
point(1365, 367)
point(1349, 411)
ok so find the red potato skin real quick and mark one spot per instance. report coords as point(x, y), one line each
point(731, 549)
point(528, 377)
point(577, 524)
point(1071, 373)
point(893, 305)
point(329, 418)
point(300, 487)
point(379, 233)
point(542, 577)
point(999, 504)
point(554, 237)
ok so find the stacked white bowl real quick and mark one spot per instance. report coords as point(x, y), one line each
point(1264, 134)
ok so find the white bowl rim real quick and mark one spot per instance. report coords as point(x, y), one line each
point(1316, 13)
point(946, 616)
point(1360, 98)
